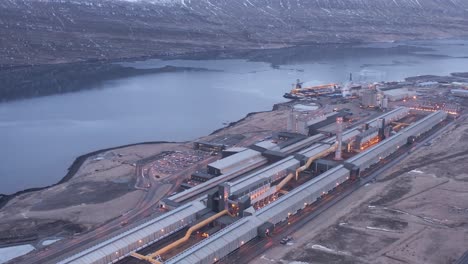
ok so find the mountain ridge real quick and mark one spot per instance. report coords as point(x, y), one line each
point(58, 31)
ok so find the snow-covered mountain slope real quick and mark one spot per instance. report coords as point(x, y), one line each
point(51, 31)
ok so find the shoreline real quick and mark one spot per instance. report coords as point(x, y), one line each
point(232, 53)
point(111, 69)
point(79, 161)
point(73, 169)
point(56, 79)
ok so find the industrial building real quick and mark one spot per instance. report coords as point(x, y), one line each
point(222, 243)
point(208, 146)
point(244, 158)
point(139, 237)
point(293, 143)
point(369, 98)
point(319, 122)
point(399, 94)
point(380, 151)
point(255, 222)
point(459, 92)
point(200, 176)
point(365, 138)
point(388, 117)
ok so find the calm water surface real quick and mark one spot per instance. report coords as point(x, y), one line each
point(39, 138)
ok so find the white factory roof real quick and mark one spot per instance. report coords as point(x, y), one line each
point(319, 147)
point(460, 83)
point(304, 142)
point(264, 174)
point(267, 144)
point(362, 157)
point(398, 91)
point(128, 237)
point(398, 94)
point(235, 149)
point(315, 149)
point(234, 159)
point(432, 116)
point(216, 242)
point(350, 134)
point(179, 197)
point(459, 92)
point(391, 114)
point(299, 193)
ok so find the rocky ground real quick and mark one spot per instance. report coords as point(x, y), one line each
point(416, 213)
point(101, 190)
point(48, 32)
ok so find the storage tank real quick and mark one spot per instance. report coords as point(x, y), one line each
point(385, 103)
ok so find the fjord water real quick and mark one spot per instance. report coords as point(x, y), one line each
point(40, 137)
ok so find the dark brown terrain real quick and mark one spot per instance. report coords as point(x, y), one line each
point(59, 31)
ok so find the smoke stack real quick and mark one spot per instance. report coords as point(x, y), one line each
point(291, 123)
point(382, 129)
point(224, 192)
point(339, 137)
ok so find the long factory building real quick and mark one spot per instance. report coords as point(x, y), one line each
point(391, 116)
point(257, 185)
point(237, 234)
point(138, 237)
point(232, 167)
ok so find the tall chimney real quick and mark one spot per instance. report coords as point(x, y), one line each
point(339, 137)
point(291, 126)
point(382, 129)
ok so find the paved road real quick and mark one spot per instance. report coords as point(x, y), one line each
point(258, 246)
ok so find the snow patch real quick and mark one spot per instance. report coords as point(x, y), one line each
point(417, 171)
point(9, 253)
point(329, 250)
point(49, 242)
point(378, 229)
